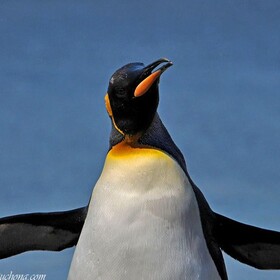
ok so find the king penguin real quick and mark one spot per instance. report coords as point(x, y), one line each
point(146, 218)
point(143, 220)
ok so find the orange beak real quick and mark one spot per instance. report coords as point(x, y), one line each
point(145, 85)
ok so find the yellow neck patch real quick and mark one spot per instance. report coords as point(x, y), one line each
point(126, 149)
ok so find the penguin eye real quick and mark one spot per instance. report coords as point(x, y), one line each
point(120, 92)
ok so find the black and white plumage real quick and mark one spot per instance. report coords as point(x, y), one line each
point(146, 217)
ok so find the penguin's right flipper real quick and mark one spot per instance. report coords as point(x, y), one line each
point(40, 231)
point(251, 245)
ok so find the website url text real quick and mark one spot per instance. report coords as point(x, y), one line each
point(14, 276)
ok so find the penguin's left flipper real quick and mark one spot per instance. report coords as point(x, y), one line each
point(254, 246)
point(40, 231)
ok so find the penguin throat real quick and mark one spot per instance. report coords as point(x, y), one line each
point(132, 139)
point(155, 137)
point(128, 145)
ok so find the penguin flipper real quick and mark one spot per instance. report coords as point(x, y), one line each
point(40, 231)
point(251, 245)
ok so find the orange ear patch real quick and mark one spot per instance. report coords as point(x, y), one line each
point(108, 105)
point(144, 86)
point(110, 112)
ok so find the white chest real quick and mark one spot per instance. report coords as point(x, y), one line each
point(143, 223)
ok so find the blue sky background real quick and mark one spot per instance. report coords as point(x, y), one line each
point(220, 101)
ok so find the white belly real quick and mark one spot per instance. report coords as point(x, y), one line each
point(143, 223)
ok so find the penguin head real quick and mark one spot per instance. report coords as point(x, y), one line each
point(132, 97)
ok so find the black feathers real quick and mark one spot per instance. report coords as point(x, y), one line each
point(251, 245)
point(40, 231)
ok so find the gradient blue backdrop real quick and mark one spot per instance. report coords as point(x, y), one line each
point(220, 101)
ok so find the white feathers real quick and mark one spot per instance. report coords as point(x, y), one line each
point(143, 223)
